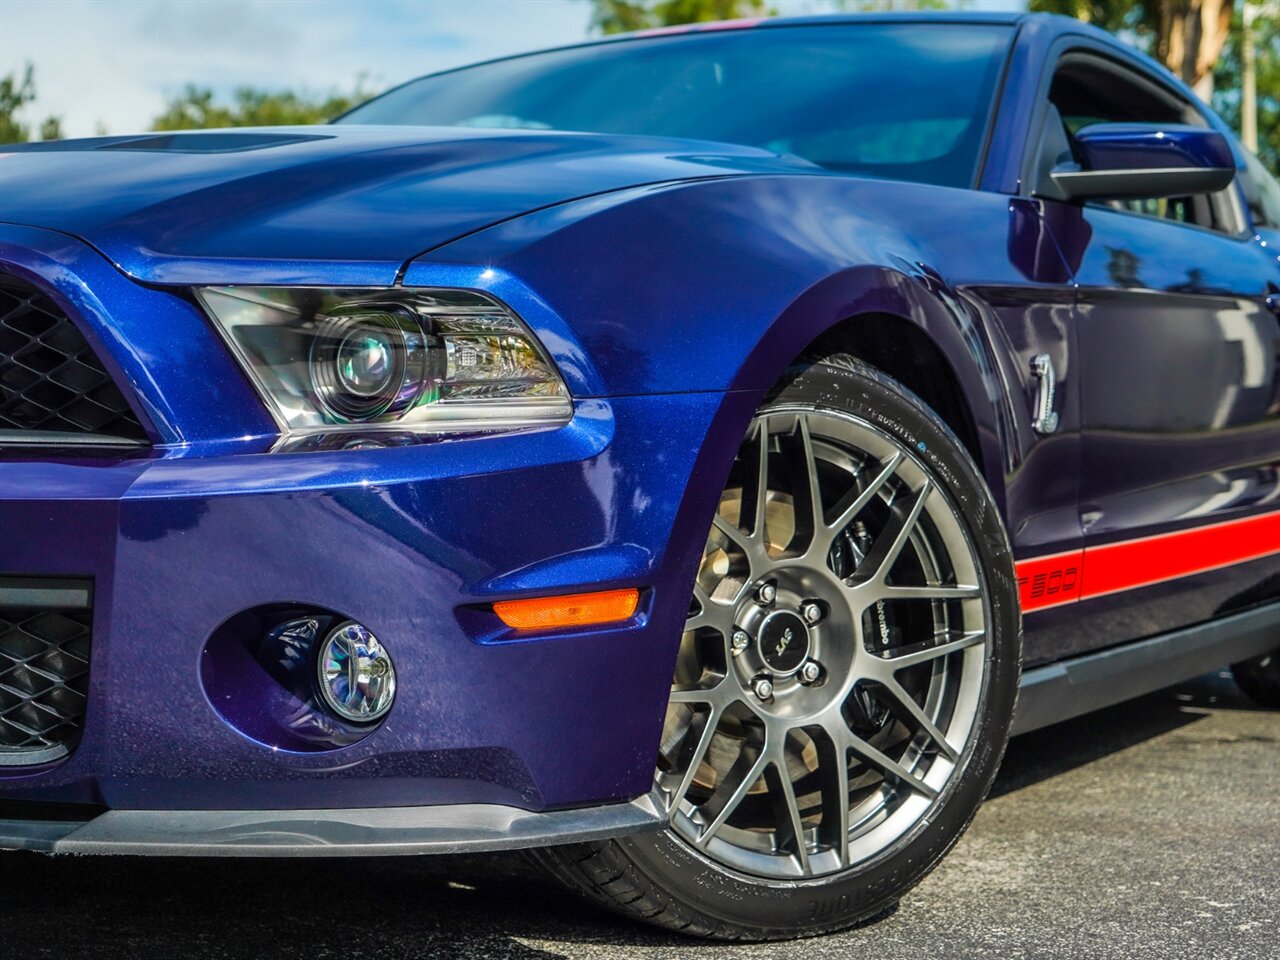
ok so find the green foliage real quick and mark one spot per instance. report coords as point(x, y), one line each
point(1139, 17)
point(891, 6)
point(621, 16)
point(15, 94)
point(1227, 80)
point(51, 128)
point(1139, 20)
point(196, 108)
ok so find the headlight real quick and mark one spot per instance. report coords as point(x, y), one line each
point(406, 361)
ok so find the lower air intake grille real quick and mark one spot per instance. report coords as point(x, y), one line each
point(51, 381)
point(44, 666)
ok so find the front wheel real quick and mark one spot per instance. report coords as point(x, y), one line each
point(845, 681)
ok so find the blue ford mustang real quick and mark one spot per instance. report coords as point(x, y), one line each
point(672, 453)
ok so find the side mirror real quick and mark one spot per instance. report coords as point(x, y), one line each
point(1141, 161)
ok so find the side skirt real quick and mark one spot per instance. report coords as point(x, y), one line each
point(1069, 688)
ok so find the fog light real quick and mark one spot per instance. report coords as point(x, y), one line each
point(357, 679)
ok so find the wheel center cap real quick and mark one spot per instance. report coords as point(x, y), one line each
point(783, 642)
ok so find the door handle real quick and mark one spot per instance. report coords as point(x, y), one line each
point(1045, 418)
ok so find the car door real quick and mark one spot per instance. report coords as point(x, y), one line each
point(1262, 196)
point(1179, 355)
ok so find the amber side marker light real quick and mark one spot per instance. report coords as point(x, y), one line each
point(576, 610)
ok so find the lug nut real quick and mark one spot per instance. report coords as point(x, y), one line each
point(811, 671)
point(740, 641)
point(811, 612)
point(762, 687)
point(767, 593)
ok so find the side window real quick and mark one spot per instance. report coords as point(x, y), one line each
point(1088, 90)
point(1263, 194)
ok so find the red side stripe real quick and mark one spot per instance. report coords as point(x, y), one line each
point(1045, 582)
point(1048, 581)
point(1151, 560)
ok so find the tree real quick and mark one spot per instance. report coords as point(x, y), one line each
point(51, 128)
point(1112, 15)
point(1200, 41)
point(891, 6)
point(196, 108)
point(621, 16)
point(1227, 79)
point(15, 94)
point(1190, 36)
point(1186, 35)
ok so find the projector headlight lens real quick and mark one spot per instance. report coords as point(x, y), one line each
point(368, 364)
point(357, 678)
point(412, 361)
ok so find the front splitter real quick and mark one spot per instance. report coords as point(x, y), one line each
point(389, 831)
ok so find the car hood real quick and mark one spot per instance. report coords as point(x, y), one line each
point(269, 203)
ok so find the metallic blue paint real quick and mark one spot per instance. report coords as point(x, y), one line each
point(155, 342)
point(180, 543)
point(1147, 146)
point(175, 216)
point(673, 283)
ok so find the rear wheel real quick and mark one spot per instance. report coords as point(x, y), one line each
point(846, 678)
point(1260, 679)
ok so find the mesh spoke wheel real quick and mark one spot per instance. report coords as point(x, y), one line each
point(845, 678)
point(833, 657)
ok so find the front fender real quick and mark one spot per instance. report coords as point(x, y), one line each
point(719, 285)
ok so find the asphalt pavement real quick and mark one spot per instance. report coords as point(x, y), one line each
point(1150, 830)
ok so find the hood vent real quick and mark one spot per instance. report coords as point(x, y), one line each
point(219, 142)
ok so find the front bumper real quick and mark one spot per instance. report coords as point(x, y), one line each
point(415, 542)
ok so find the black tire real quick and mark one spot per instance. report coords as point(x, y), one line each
point(1259, 678)
point(662, 879)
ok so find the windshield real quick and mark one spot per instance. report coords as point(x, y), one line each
point(902, 101)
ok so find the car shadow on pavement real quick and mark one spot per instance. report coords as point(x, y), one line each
point(463, 907)
point(1054, 750)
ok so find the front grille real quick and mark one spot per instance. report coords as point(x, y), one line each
point(44, 666)
point(51, 381)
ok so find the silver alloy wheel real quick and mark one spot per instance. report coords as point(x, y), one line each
point(832, 665)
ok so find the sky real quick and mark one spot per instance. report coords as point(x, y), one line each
point(110, 65)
